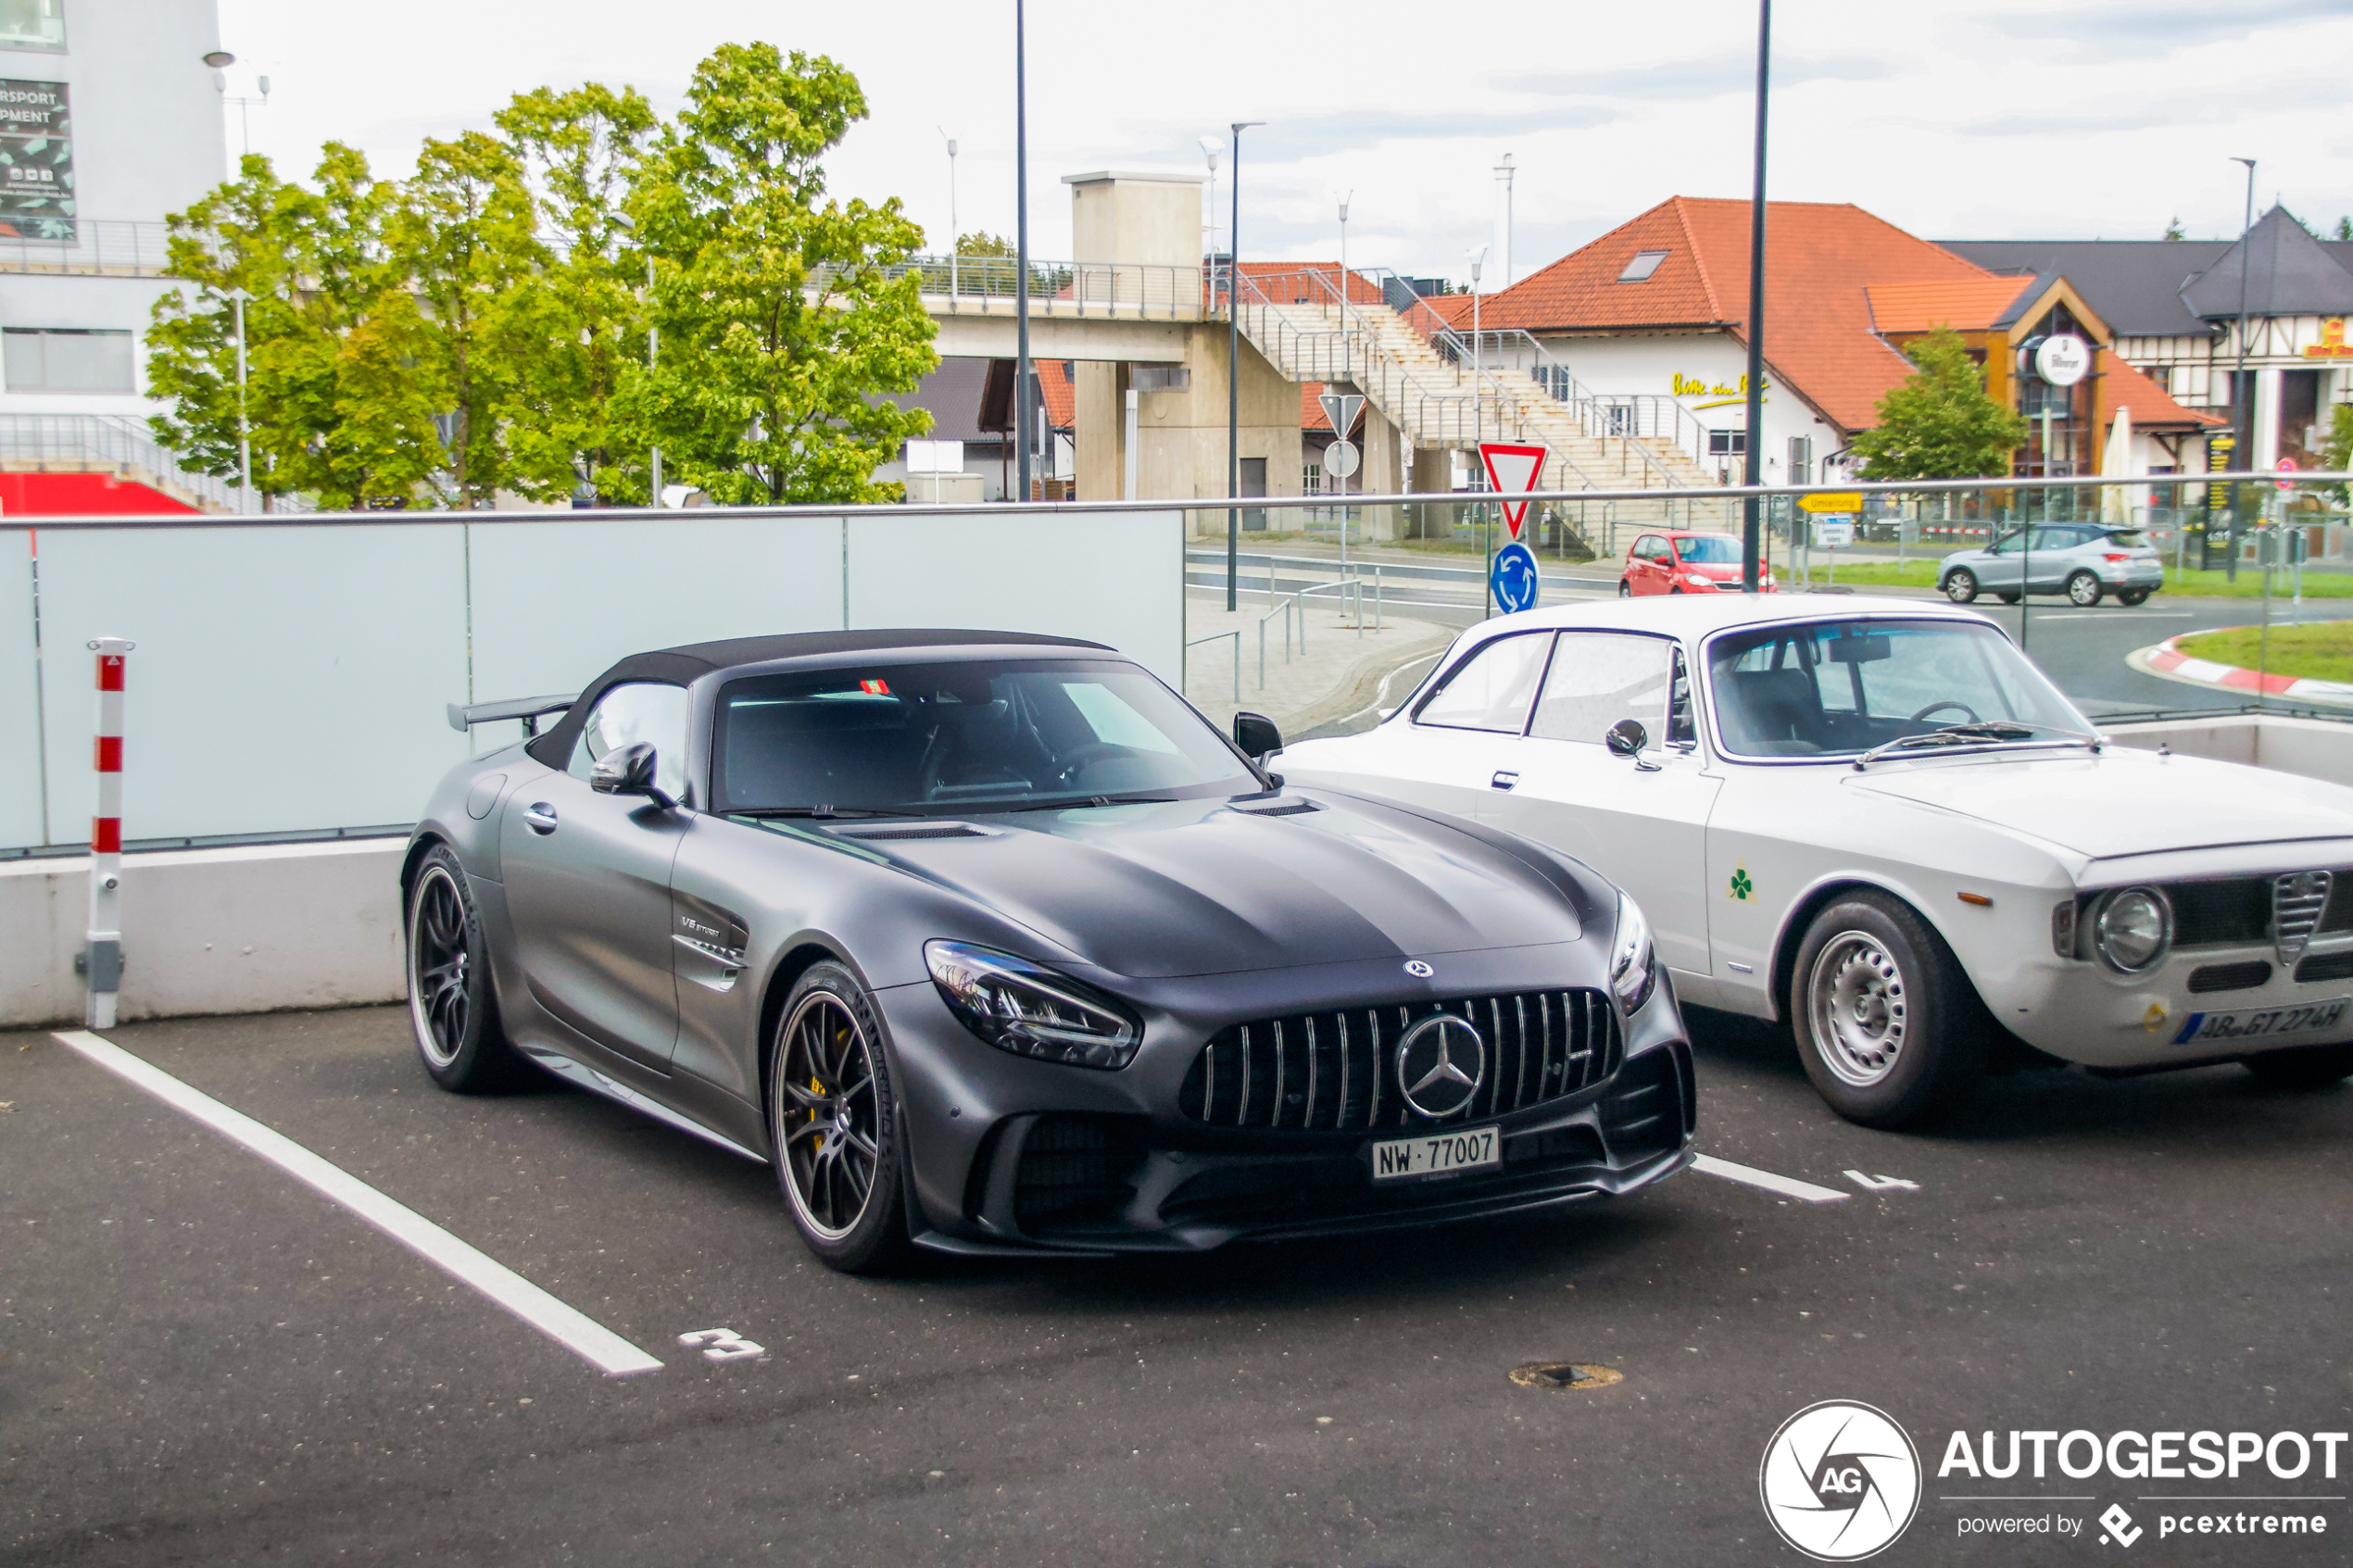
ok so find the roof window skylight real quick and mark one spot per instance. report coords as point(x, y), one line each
point(1645, 263)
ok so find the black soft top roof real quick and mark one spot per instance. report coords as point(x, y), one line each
point(681, 665)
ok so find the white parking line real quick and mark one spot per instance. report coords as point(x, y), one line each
point(574, 1330)
point(1749, 1175)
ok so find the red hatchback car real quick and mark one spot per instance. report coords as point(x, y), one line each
point(1684, 563)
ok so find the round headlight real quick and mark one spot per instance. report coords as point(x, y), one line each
point(2134, 930)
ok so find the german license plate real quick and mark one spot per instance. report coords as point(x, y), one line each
point(1435, 1154)
point(2263, 1023)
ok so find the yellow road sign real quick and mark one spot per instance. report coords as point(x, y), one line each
point(1817, 504)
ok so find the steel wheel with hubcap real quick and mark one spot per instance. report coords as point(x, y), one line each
point(2084, 589)
point(1960, 585)
point(1888, 1026)
point(834, 1126)
point(451, 1010)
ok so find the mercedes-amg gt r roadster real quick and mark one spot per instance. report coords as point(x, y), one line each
point(991, 943)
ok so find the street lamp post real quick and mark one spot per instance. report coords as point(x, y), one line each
point(1347, 373)
point(1233, 373)
point(1021, 240)
point(2242, 395)
point(955, 231)
point(653, 362)
point(1210, 149)
point(1503, 176)
point(237, 298)
point(1479, 428)
point(1752, 439)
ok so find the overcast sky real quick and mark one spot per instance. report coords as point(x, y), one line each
point(1990, 118)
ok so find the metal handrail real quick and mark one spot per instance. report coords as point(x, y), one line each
point(109, 439)
point(1218, 636)
point(990, 283)
point(111, 247)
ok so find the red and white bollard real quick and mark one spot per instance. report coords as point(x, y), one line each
point(102, 958)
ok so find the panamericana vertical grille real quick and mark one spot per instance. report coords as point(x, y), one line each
point(1336, 1071)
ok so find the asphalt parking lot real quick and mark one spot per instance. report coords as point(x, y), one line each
point(204, 1360)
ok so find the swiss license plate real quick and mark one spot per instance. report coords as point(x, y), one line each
point(2263, 1023)
point(1435, 1154)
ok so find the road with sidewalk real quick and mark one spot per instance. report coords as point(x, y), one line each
point(2083, 650)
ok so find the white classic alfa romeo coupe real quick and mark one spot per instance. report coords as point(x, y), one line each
point(1874, 818)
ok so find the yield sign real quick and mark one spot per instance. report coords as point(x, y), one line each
point(1341, 408)
point(1512, 470)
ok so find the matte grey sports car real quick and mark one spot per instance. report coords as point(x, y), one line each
point(991, 943)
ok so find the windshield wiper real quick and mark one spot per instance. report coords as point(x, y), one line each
point(819, 812)
point(1979, 730)
point(1086, 800)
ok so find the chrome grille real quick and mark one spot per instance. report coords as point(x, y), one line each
point(2298, 900)
point(1336, 1071)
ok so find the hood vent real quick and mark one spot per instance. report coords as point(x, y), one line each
point(929, 830)
point(1278, 809)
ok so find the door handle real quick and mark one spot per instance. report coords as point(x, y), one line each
point(1504, 779)
point(540, 816)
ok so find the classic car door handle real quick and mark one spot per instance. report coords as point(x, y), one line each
point(540, 816)
point(1504, 779)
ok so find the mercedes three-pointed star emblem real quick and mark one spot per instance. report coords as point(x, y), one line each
point(1440, 1063)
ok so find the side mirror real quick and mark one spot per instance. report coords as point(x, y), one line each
point(1256, 736)
point(1627, 738)
point(628, 770)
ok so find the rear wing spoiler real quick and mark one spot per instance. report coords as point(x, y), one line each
point(530, 709)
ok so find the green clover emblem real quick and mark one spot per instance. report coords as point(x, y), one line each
point(1741, 887)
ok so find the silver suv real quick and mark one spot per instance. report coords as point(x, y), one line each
point(2082, 560)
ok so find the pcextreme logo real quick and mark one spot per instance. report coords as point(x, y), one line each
point(1840, 1481)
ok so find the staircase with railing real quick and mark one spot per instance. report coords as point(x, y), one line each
point(1443, 388)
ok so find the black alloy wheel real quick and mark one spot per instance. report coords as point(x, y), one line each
point(2128, 597)
point(451, 1010)
point(1888, 1026)
point(2084, 589)
point(2007, 599)
point(2307, 1067)
point(835, 1124)
point(1625, 589)
point(1960, 585)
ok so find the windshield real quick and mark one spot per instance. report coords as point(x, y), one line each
point(1837, 688)
point(965, 736)
point(1710, 549)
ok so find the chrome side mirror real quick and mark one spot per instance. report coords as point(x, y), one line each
point(1627, 738)
point(628, 770)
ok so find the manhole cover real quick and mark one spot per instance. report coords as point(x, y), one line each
point(1558, 1375)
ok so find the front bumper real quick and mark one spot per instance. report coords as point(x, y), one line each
point(2085, 1013)
point(1011, 1154)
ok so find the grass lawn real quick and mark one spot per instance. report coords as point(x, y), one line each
point(2321, 653)
point(2203, 584)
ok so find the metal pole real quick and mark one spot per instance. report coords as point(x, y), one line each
point(1347, 371)
point(1753, 445)
point(245, 439)
point(1479, 439)
point(2242, 395)
point(955, 229)
point(1021, 240)
point(653, 362)
point(102, 950)
point(1234, 365)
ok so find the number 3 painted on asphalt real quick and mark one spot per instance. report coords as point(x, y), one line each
point(722, 1345)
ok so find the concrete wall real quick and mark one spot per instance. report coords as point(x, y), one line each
point(1647, 366)
point(2316, 749)
point(1149, 218)
point(209, 930)
point(1181, 435)
point(146, 130)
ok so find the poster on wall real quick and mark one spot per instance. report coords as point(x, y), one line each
point(36, 161)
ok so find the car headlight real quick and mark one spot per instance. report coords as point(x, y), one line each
point(1633, 961)
point(1029, 1009)
point(2133, 930)
point(1699, 580)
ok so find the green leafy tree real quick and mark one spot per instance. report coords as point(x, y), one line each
point(2344, 228)
point(2174, 230)
point(2336, 447)
point(785, 318)
point(1940, 424)
point(463, 241)
point(332, 402)
point(577, 325)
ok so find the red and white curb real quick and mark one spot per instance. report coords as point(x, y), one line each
point(2169, 661)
